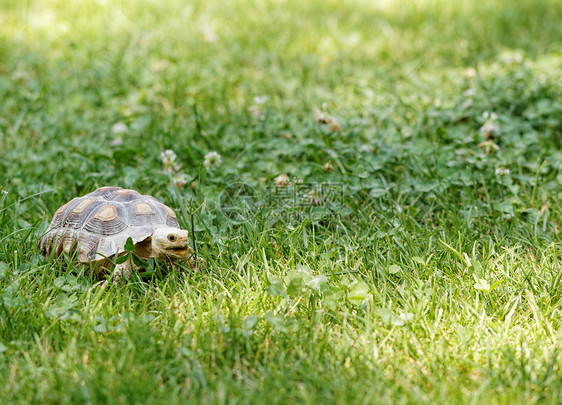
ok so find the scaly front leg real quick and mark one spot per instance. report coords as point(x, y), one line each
point(121, 269)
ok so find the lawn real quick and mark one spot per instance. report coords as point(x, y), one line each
point(382, 226)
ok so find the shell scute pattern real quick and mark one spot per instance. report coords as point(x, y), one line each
point(97, 225)
point(103, 191)
point(77, 214)
point(108, 220)
point(171, 218)
point(64, 212)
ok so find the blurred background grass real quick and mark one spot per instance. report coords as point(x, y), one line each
point(226, 52)
point(173, 69)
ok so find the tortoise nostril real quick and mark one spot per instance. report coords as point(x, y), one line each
point(171, 238)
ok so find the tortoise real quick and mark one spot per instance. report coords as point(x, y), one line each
point(95, 228)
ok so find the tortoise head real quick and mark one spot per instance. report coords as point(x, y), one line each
point(170, 244)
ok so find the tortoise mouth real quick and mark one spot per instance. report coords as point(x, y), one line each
point(179, 250)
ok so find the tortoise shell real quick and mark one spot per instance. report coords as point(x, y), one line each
point(97, 225)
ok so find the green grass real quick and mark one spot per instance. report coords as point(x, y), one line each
point(423, 276)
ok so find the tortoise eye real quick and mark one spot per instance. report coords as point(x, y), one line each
point(171, 238)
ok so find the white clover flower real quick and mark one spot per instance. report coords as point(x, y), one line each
point(489, 115)
point(469, 73)
point(313, 197)
point(321, 117)
point(490, 127)
point(209, 34)
point(324, 118)
point(212, 161)
point(502, 171)
point(334, 125)
point(256, 111)
point(260, 100)
point(488, 147)
point(469, 92)
point(169, 161)
point(168, 155)
point(365, 147)
point(511, 57)
point(467, 104)
point(119, 128)
point(180, 180)
point(173, 168)
point(518, 57)
point(282, 180)
point(329, 167)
